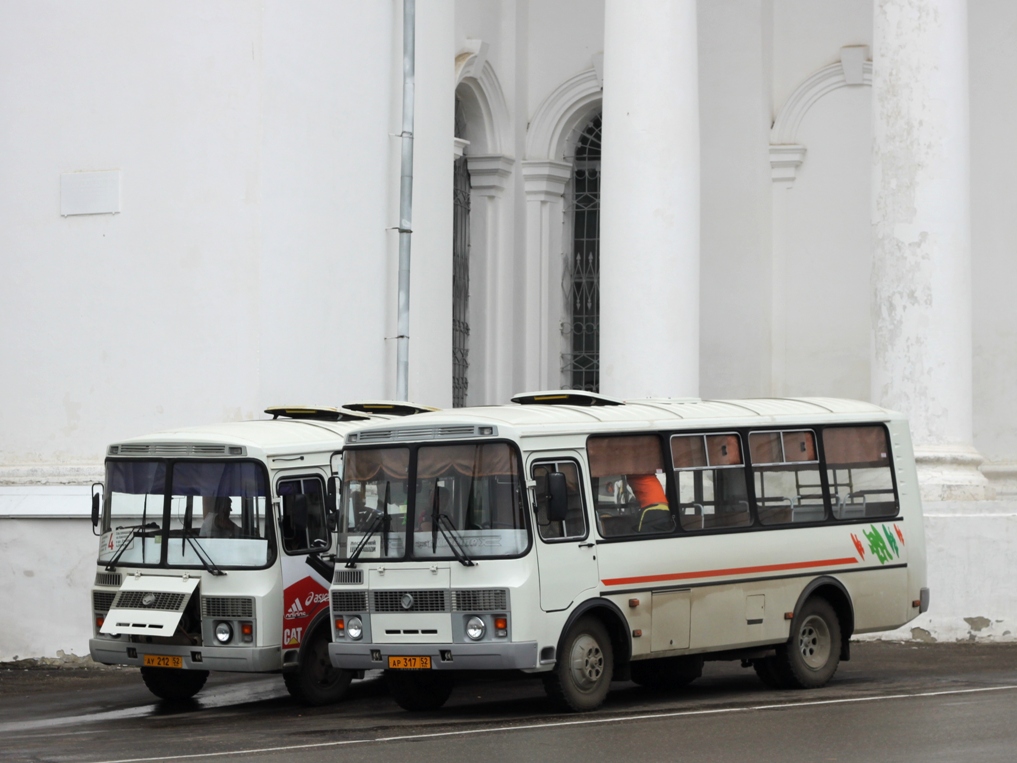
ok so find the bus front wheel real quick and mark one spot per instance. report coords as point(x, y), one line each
point(582, 676)
point(811, 656)
point(172, 683)
point(316, 682)
point(417, 690)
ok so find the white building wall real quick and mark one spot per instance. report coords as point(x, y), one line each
point(994, 233)
point(252, 261)
point(735, 61)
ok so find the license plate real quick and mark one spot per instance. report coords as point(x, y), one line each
point(410, 663)
point(163, 661)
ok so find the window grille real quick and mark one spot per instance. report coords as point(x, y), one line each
point(460, 271)
point(580, 360)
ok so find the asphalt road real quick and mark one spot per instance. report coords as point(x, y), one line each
point(891, 702)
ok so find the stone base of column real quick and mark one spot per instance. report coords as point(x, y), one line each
point(951, 473)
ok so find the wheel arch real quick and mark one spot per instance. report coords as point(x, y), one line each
point(834, 592)
point(608, 613)
point(320, 620)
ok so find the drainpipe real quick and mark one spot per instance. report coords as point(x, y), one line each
point(405, 207)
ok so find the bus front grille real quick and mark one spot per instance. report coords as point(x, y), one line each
point(410, 601)
point(349, 601)
point(170, 602)
point(109, 579)
point(227, 606)
point(102, 600)
point(480, 600)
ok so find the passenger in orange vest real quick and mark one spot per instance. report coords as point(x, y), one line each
point(650, 494)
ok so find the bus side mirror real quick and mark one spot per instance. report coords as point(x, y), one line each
point(96, 504)
point(558, 493)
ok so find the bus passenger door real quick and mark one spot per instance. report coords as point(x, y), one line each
point(566, 554)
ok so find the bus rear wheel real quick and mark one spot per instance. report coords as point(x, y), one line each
point(811, 656)
point(172, 683)
point(582, 676)
point(316, 681)
point(418, 690)
point(666, 673)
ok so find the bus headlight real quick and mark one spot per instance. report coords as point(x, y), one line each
point(354, 628)
point(223, 633)
point(475, 628)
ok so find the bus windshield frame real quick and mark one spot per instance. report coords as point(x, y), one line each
point(469, 502)
point(212, 514)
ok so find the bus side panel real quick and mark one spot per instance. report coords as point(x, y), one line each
point(741, 585)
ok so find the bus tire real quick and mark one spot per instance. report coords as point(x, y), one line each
point(666, 673)
point(172, 683)
point(316, 681)
point(419, 690)
point(811, 656)
point(766, 670)
point(582, 676)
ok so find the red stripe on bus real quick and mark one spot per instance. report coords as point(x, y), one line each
point(731, 571)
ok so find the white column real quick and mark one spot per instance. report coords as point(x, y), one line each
point(649, 234)
point(921, 271)
point(545, 183)
point(491, 268)
point(430, 373)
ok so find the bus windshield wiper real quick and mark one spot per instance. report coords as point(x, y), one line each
point(454, 540)
point(203, 557)
point(136, 530)
point(376, 522)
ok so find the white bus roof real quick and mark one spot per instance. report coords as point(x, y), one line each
point(539, 416)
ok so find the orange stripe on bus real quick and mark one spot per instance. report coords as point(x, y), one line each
point(730, 571)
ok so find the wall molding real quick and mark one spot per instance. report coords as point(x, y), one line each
point(568, 106)
point(786, 152)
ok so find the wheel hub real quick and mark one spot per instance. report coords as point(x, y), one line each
point(587, 661)
point(814, 642)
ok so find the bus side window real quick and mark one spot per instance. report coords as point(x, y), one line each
point(574, 526)
point(859, 473)
point(710, 475)
point(787, 479)
point(303, 514)
point(628, 479)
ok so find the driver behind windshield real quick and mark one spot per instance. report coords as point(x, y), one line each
point(217, 523)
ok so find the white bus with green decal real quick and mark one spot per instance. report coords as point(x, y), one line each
point(588, 539)
point(215, 550)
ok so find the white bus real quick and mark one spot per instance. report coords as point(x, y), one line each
point(215, 551)
point(590, 539)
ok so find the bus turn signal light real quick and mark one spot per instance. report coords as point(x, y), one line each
point(340, 626)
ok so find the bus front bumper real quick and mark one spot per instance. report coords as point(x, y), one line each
point(241, 659)
point(481, 656)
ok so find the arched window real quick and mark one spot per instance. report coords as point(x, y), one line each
point(580, 360)
point(460, 269)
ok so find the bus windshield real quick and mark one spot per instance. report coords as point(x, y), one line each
point(467, 500)
point(185, 514)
